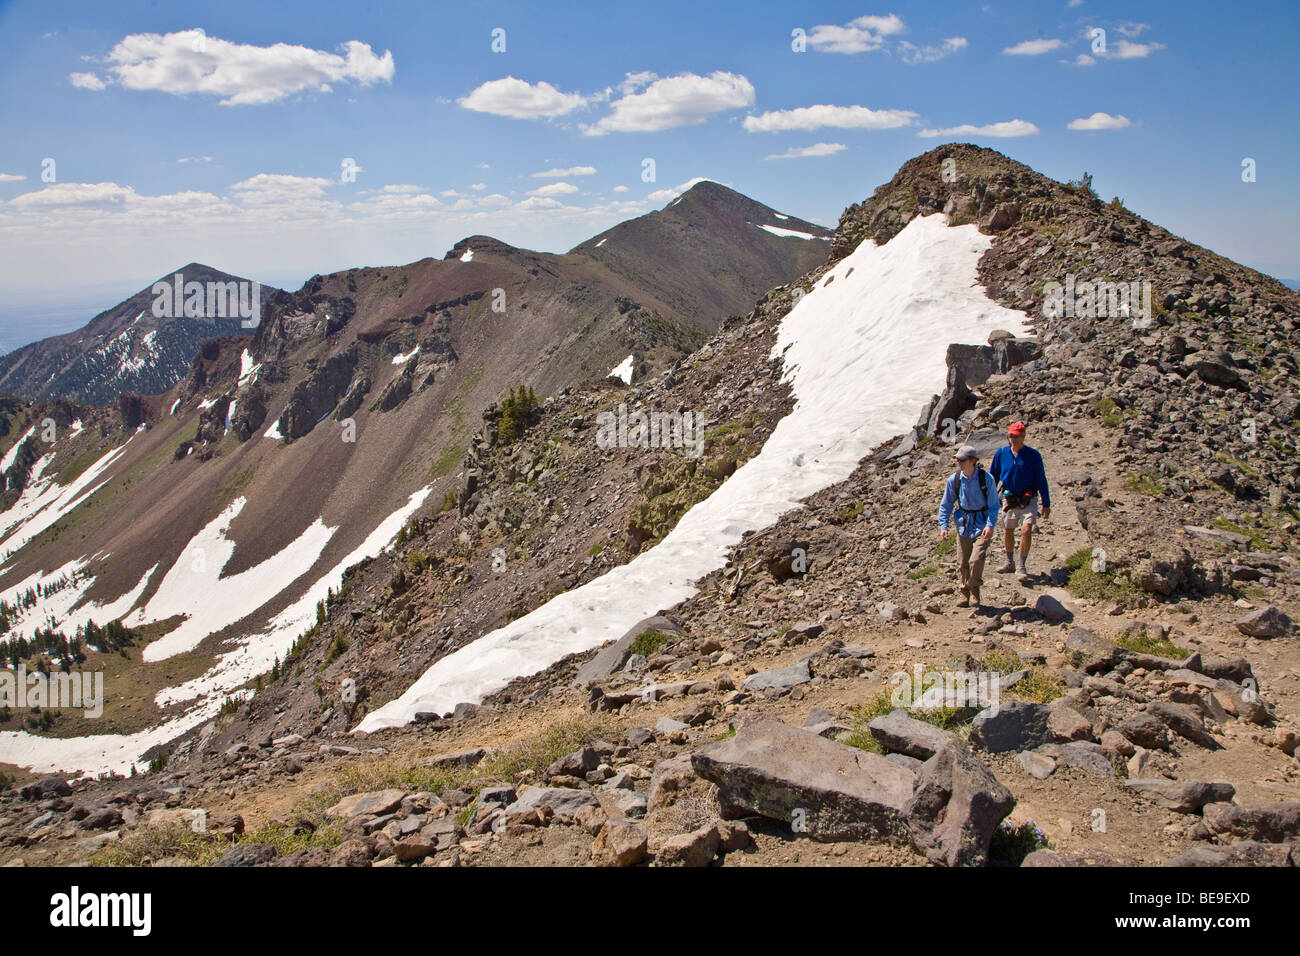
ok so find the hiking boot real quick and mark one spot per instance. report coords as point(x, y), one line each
point(1007, 567)
point(975, 598)
point(965, 599)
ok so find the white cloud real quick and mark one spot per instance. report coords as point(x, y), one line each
point(520, 99)
point(1075, 3)
point(484, 166)
point(195, 159)
point(1009, 128)
point(242, 74)
point(683, 100)
point(478, 186)
point(74, 194)
point(1099, 121)
point(1131, 29)
point(278, 187)
point(814, 117)
point(397, 202)
point(554, 189)
point(620, 189)
point(817, 149)
point(663, 195)
point(1128, 50)
point(913, 54)
point(538, 203)
point(449, 193)
point(11, 177)
point(494, 201)
point(86, 81)
point(863, 35)
point(1084, 60)
point(1033, 47)
point(634, 81)
point(562, 173)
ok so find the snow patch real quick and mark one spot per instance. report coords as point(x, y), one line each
point(196, 589)
point(44, 502)
point(862, 356)
point(175, 405)
point(247, 367)
point(784, 233)
point(400, 359)
point(779, 216)
point(8, 461)
point(467, 256)
point(623, 371)
point(274, 430)
point(602, 242)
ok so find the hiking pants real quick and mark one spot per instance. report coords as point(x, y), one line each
point(972, 572)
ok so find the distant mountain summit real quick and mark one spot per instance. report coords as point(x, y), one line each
point(678, 252)
point(143, 344)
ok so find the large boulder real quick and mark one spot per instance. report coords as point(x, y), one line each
point(956, 808)
point(611, 658)
point(824, 789)
point(1274, 823)
point(1265, 622)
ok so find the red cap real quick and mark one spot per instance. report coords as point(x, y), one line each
point(1017, 428)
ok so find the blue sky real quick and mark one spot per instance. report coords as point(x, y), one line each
point(228, 146)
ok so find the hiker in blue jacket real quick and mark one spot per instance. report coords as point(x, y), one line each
point(969, 497)
point(1022, 481)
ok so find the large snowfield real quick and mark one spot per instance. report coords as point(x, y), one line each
point(863, 351)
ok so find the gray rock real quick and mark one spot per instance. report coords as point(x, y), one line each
point(376, 803)
point(461, 758)
point(1184, 721)
point(561, 801)
point(1036, 765)
point(577, 764)
point(619, 843)
point(612, 657)
point(1014, 725)
point(1274, 823)
point(826, 789)
point(666, 725)
point(781, 677)
point(695, 849)
point(1246, 853)
point(102, 819)
point(1082, 755)
point(1265, 622)
point(638, 736)
point(901, 733)
point(1146, 730)
point(248, 854)
point(1187, 796)
point(1090, 653)
point(1052, 610)
point(957, 806)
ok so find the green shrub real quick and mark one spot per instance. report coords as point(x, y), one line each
point(649, 642)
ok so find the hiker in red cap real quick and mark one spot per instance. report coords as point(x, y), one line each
point(1018, 470)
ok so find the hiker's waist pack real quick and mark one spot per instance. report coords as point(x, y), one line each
point(1021, 500)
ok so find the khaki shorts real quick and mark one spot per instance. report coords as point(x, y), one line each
point(1015, 517)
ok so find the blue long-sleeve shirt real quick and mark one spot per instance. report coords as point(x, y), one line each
point(1020, 473)
point(976, 512)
